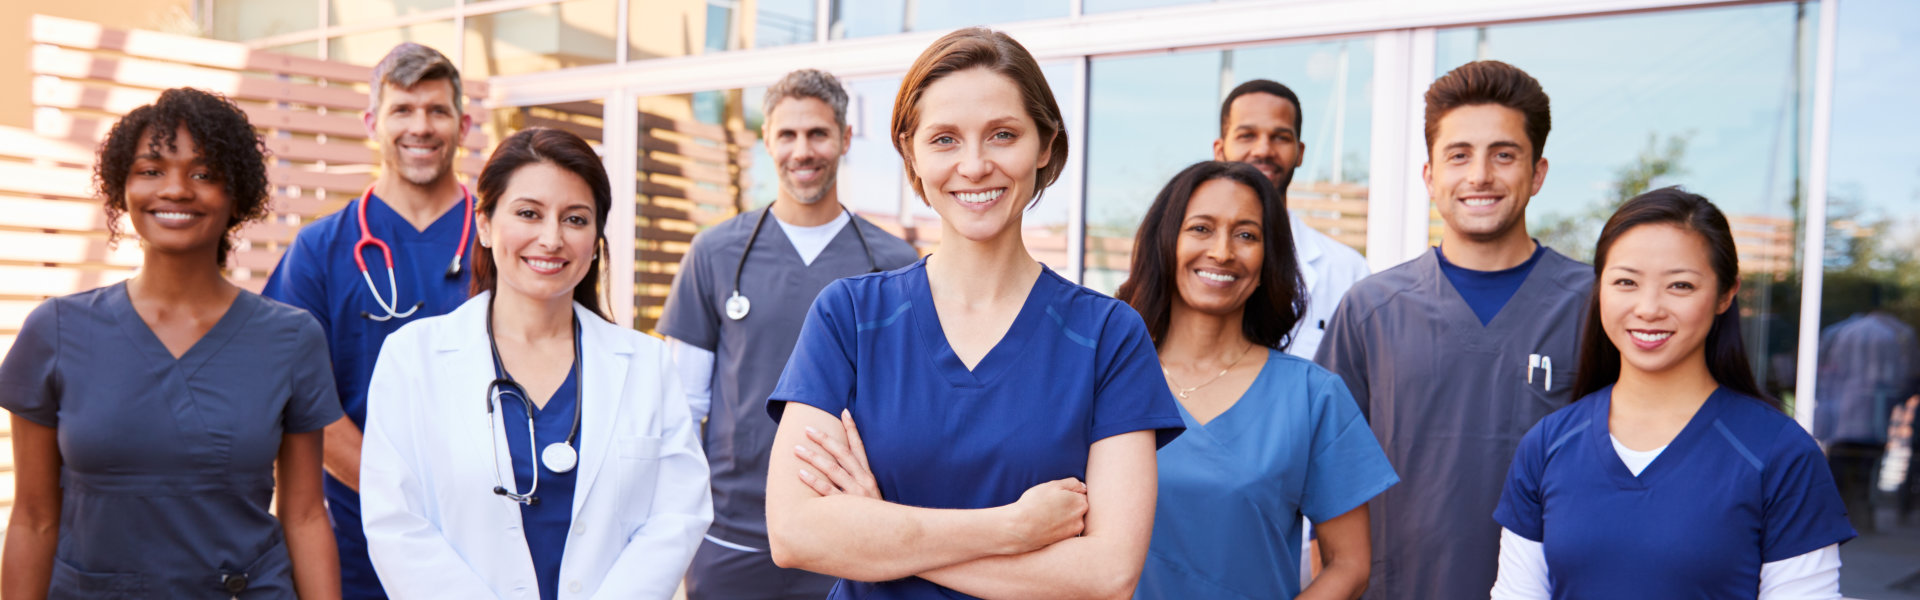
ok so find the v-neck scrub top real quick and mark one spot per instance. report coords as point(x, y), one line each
point(1075, 367)
point(1741, 485)
point(546, 523)
point(317, 273)
point(1449, 398)
point(167, 464)
point(1232, 491)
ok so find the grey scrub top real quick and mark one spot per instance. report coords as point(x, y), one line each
point(168, 463)
point(1449, 399)
point(750, 353)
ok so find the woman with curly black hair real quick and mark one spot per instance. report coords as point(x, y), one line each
point(155, 420)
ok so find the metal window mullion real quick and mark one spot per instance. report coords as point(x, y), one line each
point(1077, 139)
point(620, 145)
point(1813, 245)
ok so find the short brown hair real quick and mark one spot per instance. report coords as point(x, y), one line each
point(1491, 82)
point(996, 51)
point(408, 64)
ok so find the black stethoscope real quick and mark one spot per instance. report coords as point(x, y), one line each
point(558, 457)
point(367, 239)
point(737, 304)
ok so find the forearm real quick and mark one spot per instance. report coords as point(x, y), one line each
point(29, 556)
point(316, 561)
point(1346, 550)
point(1081, 567)
point(1338, 579)
point(864, 539)
point(342, 456)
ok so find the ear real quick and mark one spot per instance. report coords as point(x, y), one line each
point(1301, 157)
point(1727, 301)
point(466, 125)
point(1539, 175)
point(846, 140)
point(1426, 176)
point(367, 118)
point(1220, 150)
point(1046, 151)
point(483, 229)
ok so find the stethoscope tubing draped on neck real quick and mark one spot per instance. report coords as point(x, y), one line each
point(737, 304)
point(390, 304)
point(558, 457)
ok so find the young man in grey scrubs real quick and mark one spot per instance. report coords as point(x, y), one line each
point(1260, 125)
point(733, 321)
point(1455, 354)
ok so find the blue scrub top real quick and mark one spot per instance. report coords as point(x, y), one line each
point(1075, 367)
point(545, 524)
point(167, 464)
point(1741, 485)
point(318, 273)
point(1232, 491)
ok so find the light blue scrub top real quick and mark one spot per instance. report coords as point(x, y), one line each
point(317, 273)
point(167, 463)
point(1232, 491)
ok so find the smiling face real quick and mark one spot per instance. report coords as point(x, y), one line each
point(1220, 248)
point(1658, 298)
point(977, 153)
point(806, 145)
point(1481, 171)
point(542, 232)
point(176, 203)
point(1260, 132)
point(418, 130)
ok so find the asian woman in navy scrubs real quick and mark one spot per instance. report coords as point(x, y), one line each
point(1010, 417)
point(1673, 476)
point(523, 445)
point(155, 421)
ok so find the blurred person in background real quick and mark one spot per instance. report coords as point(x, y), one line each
point(1869, 365)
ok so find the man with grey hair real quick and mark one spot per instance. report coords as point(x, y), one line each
point(735, 313)
point(422, 216)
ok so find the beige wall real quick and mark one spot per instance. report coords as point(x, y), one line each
point(16, 89)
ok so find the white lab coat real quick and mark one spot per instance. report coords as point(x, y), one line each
point(435, 529)
point(1329, 268)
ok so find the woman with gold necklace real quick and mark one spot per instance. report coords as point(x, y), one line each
point(1270, 437)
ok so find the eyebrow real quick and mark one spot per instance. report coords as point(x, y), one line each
point(1239, 128)
point(994, 122)
point(1668, 271)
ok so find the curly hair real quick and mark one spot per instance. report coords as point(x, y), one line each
point(234, 154)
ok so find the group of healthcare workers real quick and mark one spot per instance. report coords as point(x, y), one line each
point(834, 416)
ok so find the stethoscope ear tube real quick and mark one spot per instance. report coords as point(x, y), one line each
point(737, 305)
point(390, 303)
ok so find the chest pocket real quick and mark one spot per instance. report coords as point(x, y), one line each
point(639, 473)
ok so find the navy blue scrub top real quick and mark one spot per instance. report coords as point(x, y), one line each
point(1076, 367)
point(545, 524)
point(167, 464)
point(317, 273)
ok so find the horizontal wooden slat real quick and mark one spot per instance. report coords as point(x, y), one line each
point(695, 151)
point(582, 108)
point(66, 249)
point(156, 74)
point(64, 182)
point(702, 196)
point(56, 281)
point(587, 132)
point(1350, 207)
point(340, 183)
point(347, 128)
point(148, 44)
point(655, 211)
point(307, 206)
point(688, 127)
point(13, 313)
point(654, 233)
point(334, 150)
point(62, 215)
point(1343, 223)
point(22, 143)
point(644, 278)
point(701, 172)
point(261, 261)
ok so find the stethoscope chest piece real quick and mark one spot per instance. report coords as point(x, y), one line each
point(559, 457)
point(737, 306)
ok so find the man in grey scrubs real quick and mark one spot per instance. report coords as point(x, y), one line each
point(1455, 354)
point(1260, 125)
point(735, 314)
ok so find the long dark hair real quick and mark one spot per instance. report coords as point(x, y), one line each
point(561, 149)
point(1277, 303)
point(1726, 354)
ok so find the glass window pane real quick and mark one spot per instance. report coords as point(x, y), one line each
point(783, 22)
point(368, 48)
point(862, 18)
point(302, 49)
point(1720, 106)
point(1871, 286)
point(1106, 6)
point(242, 20)
point(354, 12)
point(541, 38)
point(1151, 116)
point(688, 27)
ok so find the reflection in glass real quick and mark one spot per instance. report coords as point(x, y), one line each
point(664, 28)
point(541, 38)
point(1151, 116)
point(368, 48)
point(1106, 6)
point(356, 12)
point(243, 20)
point(1871, 289)
point(1718, 105)
point(863, 18)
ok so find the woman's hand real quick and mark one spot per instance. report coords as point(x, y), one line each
point(843, 468)
point(1047, 513)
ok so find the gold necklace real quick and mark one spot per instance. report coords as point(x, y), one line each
point(1216, 376)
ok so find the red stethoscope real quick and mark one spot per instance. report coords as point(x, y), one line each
point(367, 239)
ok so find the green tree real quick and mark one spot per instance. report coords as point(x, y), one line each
point(1574, 234)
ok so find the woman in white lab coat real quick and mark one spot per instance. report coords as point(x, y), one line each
point(457, 501)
